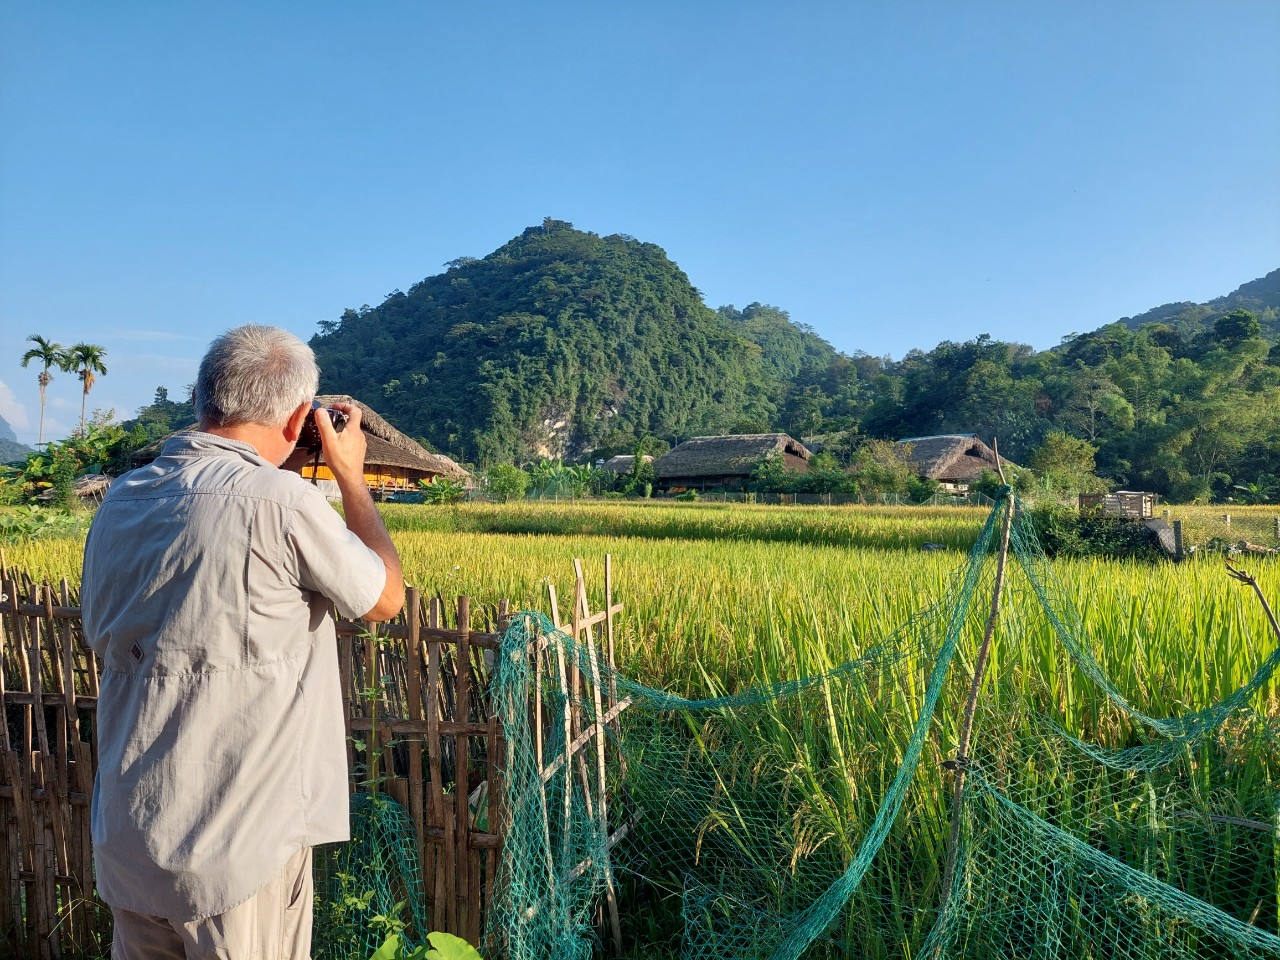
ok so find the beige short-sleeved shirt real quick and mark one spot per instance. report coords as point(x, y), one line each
point(209, 580)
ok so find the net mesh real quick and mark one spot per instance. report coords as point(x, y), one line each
point(368, 885)
point(811, 818)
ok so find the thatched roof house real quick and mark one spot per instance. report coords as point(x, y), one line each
point(623, 463)
point(391, 461)
point(92, 486)
point(87, 486)
point(955, 460)
point(704, 463)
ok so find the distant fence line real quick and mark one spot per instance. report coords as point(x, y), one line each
point(1220, 530)
point(771, 499)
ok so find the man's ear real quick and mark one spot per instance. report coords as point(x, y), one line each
point(293, 426)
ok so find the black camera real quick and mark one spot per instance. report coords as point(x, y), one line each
point(309, 439)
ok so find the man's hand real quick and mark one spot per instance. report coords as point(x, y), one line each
point(343, 452)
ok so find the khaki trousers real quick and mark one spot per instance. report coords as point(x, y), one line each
point(273, 924)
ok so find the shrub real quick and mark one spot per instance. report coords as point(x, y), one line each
point(507, 482)
point(1063, 532)
point(443, 490)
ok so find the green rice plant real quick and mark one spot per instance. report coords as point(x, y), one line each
point(1213, 528)
point(872, 527)
point(46, 558)
point(721, 598)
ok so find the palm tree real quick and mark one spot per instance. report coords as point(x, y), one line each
point(87, 359)
point(50, 355)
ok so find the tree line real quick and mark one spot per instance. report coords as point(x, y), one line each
point(1188, 417)
point(564, 344)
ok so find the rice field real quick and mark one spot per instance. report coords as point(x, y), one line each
point(723, 597)
point(755, 593)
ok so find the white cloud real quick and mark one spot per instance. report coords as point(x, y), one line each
point(14, 412)
point(58, 429)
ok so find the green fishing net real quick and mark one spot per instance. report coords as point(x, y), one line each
point(375, 874)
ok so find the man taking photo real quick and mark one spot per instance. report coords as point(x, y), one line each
point(210, 581)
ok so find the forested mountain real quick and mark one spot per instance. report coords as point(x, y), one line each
point(1260, 297)
point(1187, 419)
point(10, 448)
point(558, 342)
point(565, 343)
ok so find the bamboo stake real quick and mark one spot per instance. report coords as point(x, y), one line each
point(602, 789)
point(413, 679)
point(961, 762)
point(462, 769)
point(436, 815)
point(1236, 573)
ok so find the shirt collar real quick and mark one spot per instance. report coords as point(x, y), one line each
point(195, 443)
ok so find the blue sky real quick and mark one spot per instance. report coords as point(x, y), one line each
point(893, 174)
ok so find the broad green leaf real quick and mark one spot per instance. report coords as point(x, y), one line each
point(448, 947)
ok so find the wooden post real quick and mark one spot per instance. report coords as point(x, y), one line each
point(371, 693)
point(440, 896)
point(1178, 552)
point(413, 678)
point(567, 718)
point(602, 802)
point(461, 765)
point(961, 762)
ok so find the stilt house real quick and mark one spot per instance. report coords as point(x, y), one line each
point(725, 463)
point(955, 460)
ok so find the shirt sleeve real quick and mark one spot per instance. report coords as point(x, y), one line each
point(332, 560)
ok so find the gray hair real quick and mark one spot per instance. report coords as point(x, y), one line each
point(255, 374)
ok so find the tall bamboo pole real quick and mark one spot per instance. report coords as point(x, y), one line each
point(961, 762)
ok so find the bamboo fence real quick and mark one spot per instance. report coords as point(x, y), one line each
point(421, 729)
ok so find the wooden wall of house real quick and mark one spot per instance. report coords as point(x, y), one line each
point(378, 477)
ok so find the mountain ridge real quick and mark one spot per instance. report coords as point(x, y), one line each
point(1261, 297)
point(563, 343)
point(11, 449)
point(559, 341)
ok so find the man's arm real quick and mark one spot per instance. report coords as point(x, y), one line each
point(344, 454)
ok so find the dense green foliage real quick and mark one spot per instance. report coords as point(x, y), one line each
point(556, 343)
point(1064, 532)
point(25, 524)
point(1260, 297)
point(102, 446)
point(49, 474)
point(1186, 419)
point(162, 416)
point(564, 344)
